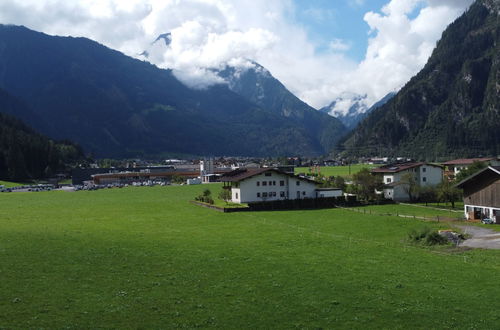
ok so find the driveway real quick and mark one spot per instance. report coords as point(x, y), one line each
point(483, 238)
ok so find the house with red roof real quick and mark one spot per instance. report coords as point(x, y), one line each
point(270, 184)
point(424, 174)
point(453, 167)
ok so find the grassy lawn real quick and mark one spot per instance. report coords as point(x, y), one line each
point(337, 170)
point(144, 257)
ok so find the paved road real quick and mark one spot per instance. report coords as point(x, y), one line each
point(481, 237)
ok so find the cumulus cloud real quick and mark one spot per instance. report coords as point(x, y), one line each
point(208, 34)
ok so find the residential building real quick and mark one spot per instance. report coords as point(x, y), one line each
point(393, 175)
point(482, 194)
point(453, 167)
point(267, 184)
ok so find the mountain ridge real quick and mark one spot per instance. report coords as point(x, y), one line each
point(117, 106)
point(451, 107)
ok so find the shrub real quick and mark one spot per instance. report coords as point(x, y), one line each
point(427, 236)
point(433, 238)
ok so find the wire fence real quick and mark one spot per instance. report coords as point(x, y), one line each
point(437, 218)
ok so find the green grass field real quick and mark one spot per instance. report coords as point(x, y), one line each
point(144, 257)
point(343, 171)
point(8, 184)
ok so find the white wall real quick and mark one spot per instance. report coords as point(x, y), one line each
point(248, 189)
point(433, 175)
point(329, 193)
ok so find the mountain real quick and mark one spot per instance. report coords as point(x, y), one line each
point(350, 108)
point(117, 106)
point(25, 154)
point(257, 85)
point(451, 108)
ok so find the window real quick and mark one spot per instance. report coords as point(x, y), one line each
point(282, 194)
point(258, 194)
point(272, 194)
point(424, 179)
point(274, 183)
point(282, 183)
point(264, 194)
point(424, 169)
point(388, 180)
point(270, 183)
point(298, 183)
point(258, 183)
point(303, 193)
point(264, 183)
point(267, 174)
point(236, 195)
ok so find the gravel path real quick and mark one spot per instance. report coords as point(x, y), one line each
point(481, 238)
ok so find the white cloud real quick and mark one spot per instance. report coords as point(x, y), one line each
point(339, 45)
point(207, 34)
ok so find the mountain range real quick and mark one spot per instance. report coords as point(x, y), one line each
point(451, 108)
point(117, 106)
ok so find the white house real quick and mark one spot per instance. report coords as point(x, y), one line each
point(425, 174)
point(453, 167)
point(267, 184)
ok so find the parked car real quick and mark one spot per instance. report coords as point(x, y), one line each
point(487, 221)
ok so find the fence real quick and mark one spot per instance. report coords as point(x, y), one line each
point(437, 218)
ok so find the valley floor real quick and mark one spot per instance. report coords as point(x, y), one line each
point(146, 258)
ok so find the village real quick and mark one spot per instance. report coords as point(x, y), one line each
point(475, 181)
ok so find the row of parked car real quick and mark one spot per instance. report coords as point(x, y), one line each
point(120, 185)
point(38, 187)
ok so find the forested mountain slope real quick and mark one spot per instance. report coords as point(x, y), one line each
point(117, 106)
point(452, 107)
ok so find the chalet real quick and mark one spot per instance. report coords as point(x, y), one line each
point(269, 184)
point(425, 174)
point(453, 167)
point(482, 194)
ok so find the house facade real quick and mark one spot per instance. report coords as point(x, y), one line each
point(482, 194)
point(267, 184)
point(392, 176)
point(453, 167)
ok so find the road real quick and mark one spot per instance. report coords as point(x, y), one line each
point(483, 238)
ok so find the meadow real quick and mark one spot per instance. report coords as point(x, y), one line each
point(144, 257)
point(343, 171)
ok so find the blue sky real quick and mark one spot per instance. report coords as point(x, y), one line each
point(326, 20)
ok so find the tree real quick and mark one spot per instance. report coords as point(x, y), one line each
point(410, 185)
point(366, 184)
point(339, 182)
point(448, 193)
point(428, 194)
point(225, 195)
point(470, 170)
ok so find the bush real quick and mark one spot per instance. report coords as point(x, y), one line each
point(433, 238)
point(427, 236)
point(418, 235)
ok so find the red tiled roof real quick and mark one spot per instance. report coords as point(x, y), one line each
point(467, 161)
